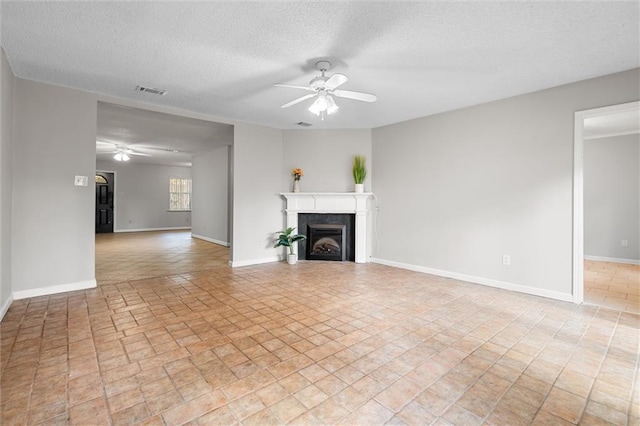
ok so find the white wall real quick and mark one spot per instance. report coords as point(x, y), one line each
point(142, 196)
point(257, 205)
point(6, 117)
point(458, 190)
point(612, 197)
point(53, 229)
point(326, 157)
point(53, 222)
point(210, 198)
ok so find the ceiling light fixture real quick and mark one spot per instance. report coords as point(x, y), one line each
point(323, 103)
point(121, 156)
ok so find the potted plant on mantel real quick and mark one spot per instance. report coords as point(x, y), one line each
point(286, 239)
point(359, 172)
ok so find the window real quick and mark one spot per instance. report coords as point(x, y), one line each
point(179, 194)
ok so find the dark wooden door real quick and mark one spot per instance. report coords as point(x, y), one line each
point(104, 202)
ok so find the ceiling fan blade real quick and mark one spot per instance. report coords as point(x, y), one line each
point(358, 96)
point(295, 101)
point(307, 88)
point(138, 153)
point(335, 81)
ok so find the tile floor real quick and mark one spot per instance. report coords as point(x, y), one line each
point(315, 343)
point(614, 285)
point(137, 255)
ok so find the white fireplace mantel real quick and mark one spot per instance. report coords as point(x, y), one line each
point(333, 202)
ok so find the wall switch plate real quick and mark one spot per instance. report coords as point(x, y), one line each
point(625, 243)
point(81, 181)
point(506, 259)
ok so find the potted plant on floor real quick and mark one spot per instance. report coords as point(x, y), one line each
point(286, 239)
point(359, 170)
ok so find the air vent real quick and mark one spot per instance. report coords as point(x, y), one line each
point(151, 90)
point(303, 124)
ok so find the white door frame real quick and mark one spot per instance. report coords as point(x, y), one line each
point(578, 190)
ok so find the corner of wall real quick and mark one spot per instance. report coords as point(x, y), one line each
point(7, 82)
point(5, 306)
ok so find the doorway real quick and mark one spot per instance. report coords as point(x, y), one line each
point(606, 122)
point(104, 202)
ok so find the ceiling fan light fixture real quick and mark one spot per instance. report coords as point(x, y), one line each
point(315, 107)
point(320, 104)
point(332, 107)
point(121, 156)
point(323, 89)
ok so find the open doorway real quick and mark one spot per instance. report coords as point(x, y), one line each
point(173, 189)
point(606, 249)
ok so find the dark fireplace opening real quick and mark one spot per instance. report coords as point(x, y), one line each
point(326, 242)
point(341, 233)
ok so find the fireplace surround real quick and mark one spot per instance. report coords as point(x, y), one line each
point(351, 204)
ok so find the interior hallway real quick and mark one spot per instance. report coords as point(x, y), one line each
point(613, 285)
point(318, 342)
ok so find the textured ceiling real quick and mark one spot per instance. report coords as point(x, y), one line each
point(157, 135)
point(222, 58)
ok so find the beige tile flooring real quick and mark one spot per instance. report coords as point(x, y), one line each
point(315, 343)
point(137, 255)
point(614, 285)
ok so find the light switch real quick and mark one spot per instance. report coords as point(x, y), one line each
point(81, 181)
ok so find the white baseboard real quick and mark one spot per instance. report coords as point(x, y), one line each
point(5, 307)
point(240, 263)
point(54, 289)
point(612, 259)
point(211, 240)
point(479, 280)
point(177, 228)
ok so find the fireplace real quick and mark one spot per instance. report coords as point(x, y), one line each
point(351, 208)
point(327, 242)
point(330, 236)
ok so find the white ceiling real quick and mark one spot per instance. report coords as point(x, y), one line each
point(157, 135)
point(222, 58)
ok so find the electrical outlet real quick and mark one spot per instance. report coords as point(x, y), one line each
point(625, 243)
point(506, 259)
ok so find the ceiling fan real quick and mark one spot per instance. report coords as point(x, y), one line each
point(121, 153)
point(324, 88)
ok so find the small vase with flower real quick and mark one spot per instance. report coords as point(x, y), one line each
point(297, 173)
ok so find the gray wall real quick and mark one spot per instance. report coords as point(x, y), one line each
point(458, 190)
point(612, 197)
point(142, 196)
point(209, 218)
point(257, 181)
point(6, 179)
point(53, 223)
point(326, 157)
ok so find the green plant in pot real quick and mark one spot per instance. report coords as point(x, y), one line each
point(286, 238)
point(359, 169)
